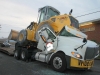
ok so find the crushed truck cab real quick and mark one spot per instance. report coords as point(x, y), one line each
point(77, 50)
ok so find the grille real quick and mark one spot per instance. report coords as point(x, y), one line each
point(91, 52)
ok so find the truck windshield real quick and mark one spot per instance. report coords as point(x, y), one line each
point(74, 22)
point(64, 32)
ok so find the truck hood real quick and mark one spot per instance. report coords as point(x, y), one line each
point(69, 44)
point(76, 40)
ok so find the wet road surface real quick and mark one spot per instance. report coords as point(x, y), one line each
point(10, 66)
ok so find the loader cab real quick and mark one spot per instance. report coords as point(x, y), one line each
point(46, 12)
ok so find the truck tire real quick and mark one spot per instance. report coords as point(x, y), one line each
point(17, 51)
point(22, 37)
point(44, 25)
point(58, 62)
point(24, 54)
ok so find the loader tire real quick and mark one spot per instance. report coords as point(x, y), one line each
point(17, 51)
point(44, 25)
point(58, 62)
point(22, 37)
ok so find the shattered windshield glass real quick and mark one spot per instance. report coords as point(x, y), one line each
point(64, 32)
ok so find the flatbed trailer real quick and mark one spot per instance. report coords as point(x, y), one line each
point(8, 50)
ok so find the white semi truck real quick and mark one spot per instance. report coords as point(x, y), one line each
point(69, 49)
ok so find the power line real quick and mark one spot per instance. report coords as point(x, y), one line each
point(87, 10)
point(87, 14)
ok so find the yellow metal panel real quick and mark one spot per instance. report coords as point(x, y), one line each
point(81, 64)
point(60, 22)
point(30, 34)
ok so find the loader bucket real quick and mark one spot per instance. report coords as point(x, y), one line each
point(13, 35)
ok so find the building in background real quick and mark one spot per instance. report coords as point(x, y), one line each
point(92, 29)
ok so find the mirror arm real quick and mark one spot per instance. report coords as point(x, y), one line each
point(43, 38)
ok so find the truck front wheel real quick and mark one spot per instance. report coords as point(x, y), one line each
point(58, 62)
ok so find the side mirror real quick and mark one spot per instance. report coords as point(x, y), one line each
point(84, 40)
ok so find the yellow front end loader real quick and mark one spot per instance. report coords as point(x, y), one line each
point(48, 17)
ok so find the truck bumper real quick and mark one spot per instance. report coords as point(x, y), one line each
point(79, 64)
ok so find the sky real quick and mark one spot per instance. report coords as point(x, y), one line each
point(17, 14)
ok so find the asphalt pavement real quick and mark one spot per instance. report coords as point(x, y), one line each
point(10, 66)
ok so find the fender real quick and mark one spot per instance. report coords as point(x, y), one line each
point(53, 54)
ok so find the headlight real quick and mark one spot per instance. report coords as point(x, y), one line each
point(49, 46)
point(76, 54)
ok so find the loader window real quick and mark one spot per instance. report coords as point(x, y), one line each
point(51, 13)
point(41, 15)
point(64, 32)
point(74, 22)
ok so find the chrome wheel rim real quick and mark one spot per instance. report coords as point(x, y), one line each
point(57, 62)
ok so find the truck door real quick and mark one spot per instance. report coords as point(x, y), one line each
point(46, 36)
